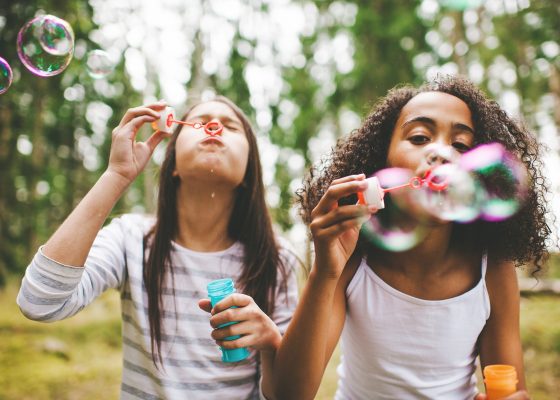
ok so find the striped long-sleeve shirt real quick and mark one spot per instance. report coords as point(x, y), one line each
point(192, 362)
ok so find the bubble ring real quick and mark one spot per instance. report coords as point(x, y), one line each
point(213, 128)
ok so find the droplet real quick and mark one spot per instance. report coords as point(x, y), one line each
point(213, 194)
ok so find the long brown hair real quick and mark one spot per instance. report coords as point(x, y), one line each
point(249, 224)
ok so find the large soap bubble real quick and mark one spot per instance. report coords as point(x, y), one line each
point(452, 194)
point(503, 176)
point(45, 45)
point(6, 75)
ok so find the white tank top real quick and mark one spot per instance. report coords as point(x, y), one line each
point(395, 346)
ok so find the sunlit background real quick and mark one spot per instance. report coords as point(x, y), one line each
point(306, 72)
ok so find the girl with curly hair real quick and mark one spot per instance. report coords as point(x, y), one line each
point(412, 323)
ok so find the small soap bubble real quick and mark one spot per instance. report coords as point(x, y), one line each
point(45, 45)
point(6, 75)
point(56, 36)
point(460, 5)
point(99, 64)
point(503, 177)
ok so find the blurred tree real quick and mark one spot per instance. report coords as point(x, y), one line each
point(45, 135)
point(306, 72)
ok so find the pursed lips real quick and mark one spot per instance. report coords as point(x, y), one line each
point(212, 139)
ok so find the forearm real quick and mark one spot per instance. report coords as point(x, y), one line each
point(267, 371)
point(72, 241)
point(301, 358)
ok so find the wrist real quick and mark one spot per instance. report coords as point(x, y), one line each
point(116, 180)
point(319, 272)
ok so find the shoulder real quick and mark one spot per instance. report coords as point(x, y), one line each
point(139, 223)
point(500, 276)
point(502, 285)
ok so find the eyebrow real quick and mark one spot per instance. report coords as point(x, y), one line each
point(430, 121)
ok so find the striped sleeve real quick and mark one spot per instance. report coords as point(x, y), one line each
point(51, 291)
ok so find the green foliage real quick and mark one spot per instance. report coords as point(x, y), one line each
point(79, 358)
point(385, 40)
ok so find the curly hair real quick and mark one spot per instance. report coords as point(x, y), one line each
point(523, 238)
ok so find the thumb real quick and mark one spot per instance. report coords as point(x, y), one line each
point(205, 305)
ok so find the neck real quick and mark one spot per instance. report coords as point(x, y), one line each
point(203, 213)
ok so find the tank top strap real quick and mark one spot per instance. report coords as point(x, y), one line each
point(484, 265)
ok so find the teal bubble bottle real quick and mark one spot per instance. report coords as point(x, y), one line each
point(217, 291)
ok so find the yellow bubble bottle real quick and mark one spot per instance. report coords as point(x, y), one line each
point(500, 381)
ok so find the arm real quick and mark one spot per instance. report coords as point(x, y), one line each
point(500, 340)
point(56, 285)
point(71, 242)
point(315, 329)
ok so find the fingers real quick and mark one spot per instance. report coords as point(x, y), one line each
point(337, 191)
point(519, 395)
point(136, 123)
point(234, 300)
point(149, 109)
point(205, 305)
point(156, 139)
point(348, 178)
point(243, 341)
point(341, 214)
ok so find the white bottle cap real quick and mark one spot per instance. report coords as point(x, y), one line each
point(373, 195)
point(164, 123)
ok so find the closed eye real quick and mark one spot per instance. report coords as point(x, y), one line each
point(461, 147)
point(418, 139)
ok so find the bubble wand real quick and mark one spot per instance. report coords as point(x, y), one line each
point(374, 193)
point(167, 121)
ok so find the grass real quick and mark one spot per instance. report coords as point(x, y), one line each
point(80, 358)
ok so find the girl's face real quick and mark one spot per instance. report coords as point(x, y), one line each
point(221, 158)
point(429, 118)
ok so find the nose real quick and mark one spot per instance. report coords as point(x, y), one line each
point(213, 128)
point(438, 154)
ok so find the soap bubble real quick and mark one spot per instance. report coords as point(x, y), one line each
point(503, 177)
point(393, 228)
point(99, 64)
point(45, 45)
point(451, 193)
point(6, 75)
point(460, 5)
